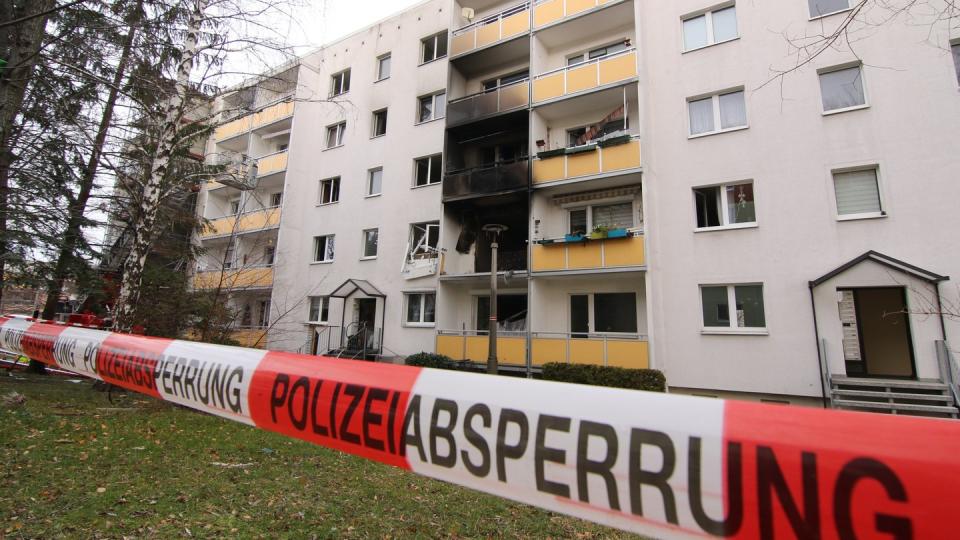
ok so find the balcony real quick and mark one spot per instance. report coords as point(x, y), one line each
point(586, 161)
point(550, 11)
point(601, 350)
point(265, 116)
point(272, 163)
point(241, 278)
point(585, 76)
point(504, 25)
point(250, 337)
point(477, 106)
point(474, 346)
point(486, 180)
point(587, 254)
point(256, 220)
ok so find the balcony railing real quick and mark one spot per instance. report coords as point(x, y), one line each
point(255, 220)
point(619, 350)
point(272, 163)
point(473, 346)
point(267, 115)
point(258, 277)
point(587, 75)
point(506, 24)
point(499, 177)
point(550, 11)
point(587, 161)
point(504, 98)
point(589, 254)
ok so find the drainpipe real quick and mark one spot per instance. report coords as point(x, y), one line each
point(816, 335)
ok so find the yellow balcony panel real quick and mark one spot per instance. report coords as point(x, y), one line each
point(548, 87)
point(244, 278)
point(515, 24)
point(547, 12)
point(581, 78)
point(250, 221)
point(548, 170)
point(273, 113)
point(478, 348)
point(628, 354)
point(488, 33)
point(546, 350)
point(584, 255)
point(586, 351)
point(621, 156)
point(234, 128)
point(510, 350)
point(464, 42)
point(272, 163)
point(577, 6)
point(583, 164)
point(624, 252)
point(451, 346)
point(515, 95)
point(618, 68)
point(549, 257)
point(250, 337)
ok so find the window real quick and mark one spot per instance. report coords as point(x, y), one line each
point(955, 49)
point(717, 113)
point(374, 181)
point(370, 239)
point(433, 47)
point(424, 238)
point(383, 67)
point(725, 205)
point(603, 313)
point(504, 80)
point(710, 28)
point(598, 52)
point(323, 248)
point(229, 256)
point(858, 194)
point(276, 198)
point(432, 107)
point(330, 190)
point(612, 216)
point(379, 123)
point(269, 255)
point(574, 135)
point(234, 206)
point(335, 134)
point(340, 83)
point(319, 309)
point(717, 299)
point(842, 89)
point(263, 313)
point(421, 308)
point(428, 170)
point(820, 8)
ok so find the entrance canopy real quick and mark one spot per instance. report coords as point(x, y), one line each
point(352, 285)
point(884, 260)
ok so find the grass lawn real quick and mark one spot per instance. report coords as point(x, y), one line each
point(76, 465)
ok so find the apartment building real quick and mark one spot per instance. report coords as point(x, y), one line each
point(658, 195)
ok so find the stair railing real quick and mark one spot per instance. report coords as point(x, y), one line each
point(949, 370)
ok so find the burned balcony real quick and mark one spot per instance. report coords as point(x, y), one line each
point(496, 100)
point(498, 177)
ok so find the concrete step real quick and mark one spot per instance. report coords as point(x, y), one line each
point(840, 380)
point(899, 407)
point(840, 392)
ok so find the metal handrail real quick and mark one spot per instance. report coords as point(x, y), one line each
point(483, 92)
point(245, 212)
point(596, 60)
point(627, 336)
point(490, 19)
point(493, 165)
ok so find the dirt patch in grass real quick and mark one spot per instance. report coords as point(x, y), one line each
point(77, 465)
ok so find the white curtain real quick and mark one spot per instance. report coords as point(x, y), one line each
point(701, 116)
point(842, 89)
point(724, 24)
point(733, 110)
point(695, 33)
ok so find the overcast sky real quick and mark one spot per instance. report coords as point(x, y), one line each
point(321, 21)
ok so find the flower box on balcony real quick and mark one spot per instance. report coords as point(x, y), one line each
point(617, 233)
point(614, 141)
point(551, 153)
point(581, 149)
point(574, 238)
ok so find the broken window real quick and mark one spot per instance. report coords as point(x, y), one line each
point(323, 248)
point(329, 190)
point(424, 239)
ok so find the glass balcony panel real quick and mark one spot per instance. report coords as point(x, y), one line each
point(486, 180)
point(477, 106)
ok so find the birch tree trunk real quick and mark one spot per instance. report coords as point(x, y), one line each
point(144, 220)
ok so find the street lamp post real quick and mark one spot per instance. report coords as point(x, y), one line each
point(494, 231)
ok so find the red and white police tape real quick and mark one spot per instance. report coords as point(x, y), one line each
point(662, 465)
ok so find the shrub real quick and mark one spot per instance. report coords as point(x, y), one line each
point(615, 377)
point(431, 360)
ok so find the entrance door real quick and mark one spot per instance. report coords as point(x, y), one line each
point(876, 332)
point(367, 318)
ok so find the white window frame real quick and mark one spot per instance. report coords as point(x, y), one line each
point(332, 180)
point(363, 244)
point(572, 207)
point(341, 130)
point(380, 59)
point(591, 322)
point(715, 97)
point(863, 85)
point(421, 323)
point(433, 106)
point(875, 167)
point(373, 125)
point(731, 313)
point(726, 225)
point(316, 241)
point(368, 191)
point(814, 17)
point(434, 37)
point(426, 226)
point(229, 259)
point(708, 16)
point(338, 81)
point(324, 303)
point(263, 313)
point(955, 58)
point(429, 160)
point(584, 56)
point(273, 196)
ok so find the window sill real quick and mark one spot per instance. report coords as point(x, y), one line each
point(331, 96)
point(378, 136)
point(426, 185)
point(327, 203)
point(317, 323)
point(710, 45)
point(825, 15)
point(372, 195)
point(368, 258)
point(737, 226)
point(428, 121)
point(431, 61)
point(333, 147)
point(419, 325)
point(719, 331)
point(710, 133)
point(831, 112)
point(322, 262)
point(383, 79)
point(858, 217)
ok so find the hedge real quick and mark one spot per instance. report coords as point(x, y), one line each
point(435, 361)
point(616, 377)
